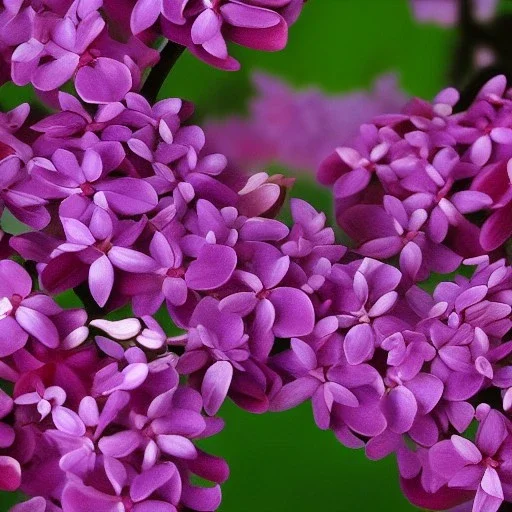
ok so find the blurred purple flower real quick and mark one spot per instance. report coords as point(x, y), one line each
point(447, 12)
point(298, 129)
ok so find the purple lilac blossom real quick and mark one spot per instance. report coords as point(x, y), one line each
point(16, 190)
point(416, 185)
point(47, 45)
point(205, 27)
point(298, 129)
point(106, 413)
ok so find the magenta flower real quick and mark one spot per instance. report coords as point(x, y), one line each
point(204, 28)
point(405, 234)
point(313, 380)
point(482, 466)
point(93, 250)
point(50, 401)
point(268, 296)
point(70, 40)
point(64, 176)
point(24, 314)
point(216, 339)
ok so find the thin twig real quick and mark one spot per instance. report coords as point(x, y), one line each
point(168, 57)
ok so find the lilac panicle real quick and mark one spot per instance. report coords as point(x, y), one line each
point(414, 183)
point(106, 412)
point(105, 47)
point(51, 44)
point(205, 27)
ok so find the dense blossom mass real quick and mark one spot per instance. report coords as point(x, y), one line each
point(48, 44)
point(205, 26)
point(127, 207)
point(192, 290)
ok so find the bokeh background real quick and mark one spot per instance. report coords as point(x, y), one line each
point(283, 462)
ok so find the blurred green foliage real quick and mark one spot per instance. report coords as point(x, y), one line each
point(283, 462)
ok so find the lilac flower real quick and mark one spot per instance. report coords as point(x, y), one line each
point(482, 466)
point(204, 28)
point(50, 401)
point(93, 250)
point(402, 233)
point(313, 380)
point(173, 278)
point(218, 336)
point(128, 372)
point(24, 314)
point(72, 41)
point(268, 296)
point(363, 296)
point(64, 176)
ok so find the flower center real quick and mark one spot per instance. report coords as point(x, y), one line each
point(87, 189)
point(263, 294)
point(5, 151)
point(104, 246)
point(409, 236)
point(127, 503)
point(87, 57)
point(176, 272)
point(490, 462)
point(9, 306)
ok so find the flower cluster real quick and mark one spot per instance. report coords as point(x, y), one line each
point(128, 209)
point(97, 424)
point(428, 186)
point(137, 212)
point(104, 47)
point(205, 26)
point(124, 207)
point(47, 44)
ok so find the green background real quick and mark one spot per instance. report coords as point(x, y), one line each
point(282, 462)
